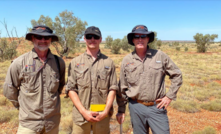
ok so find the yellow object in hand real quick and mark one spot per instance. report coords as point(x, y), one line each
point(97, 107)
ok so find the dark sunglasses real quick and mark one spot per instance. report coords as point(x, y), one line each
point(140, 36)
point(39, 37)
point(89, 36)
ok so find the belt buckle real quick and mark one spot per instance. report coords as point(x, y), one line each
point(146, 103)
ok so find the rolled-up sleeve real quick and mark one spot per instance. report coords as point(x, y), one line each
point(62, 77)
point(175, 76)
point(71, 82)
point(12, 82)
point(121, 95)
point(113, 79)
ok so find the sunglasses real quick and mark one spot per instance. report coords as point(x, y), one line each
point(39, 37)
point(89, 36)
point(140, 36)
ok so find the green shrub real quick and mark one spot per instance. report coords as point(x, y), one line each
point(206, 130)
point(176, 44)
point(186, 49)
point(7, 49)
point(178, 48)
point(212, 105)
point(202, 94)
point(116, 46)
point(188, 106)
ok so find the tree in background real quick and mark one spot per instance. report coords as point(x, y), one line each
point(108, 41)
point(125, 45)
point(202, 41)
point(159, 43)
point(116, 46)
point(68, 28)
point(153, 44)
point(9, 45)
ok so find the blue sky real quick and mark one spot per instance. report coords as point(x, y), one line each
point(171, 19)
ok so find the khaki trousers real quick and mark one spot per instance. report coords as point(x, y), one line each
point(101, 127)
point(23, 130)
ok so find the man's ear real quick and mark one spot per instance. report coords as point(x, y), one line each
point(100, 39)
point(84, 39)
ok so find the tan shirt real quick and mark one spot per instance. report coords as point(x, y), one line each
point(35, 90)
point(91, 80)
point(145, 80)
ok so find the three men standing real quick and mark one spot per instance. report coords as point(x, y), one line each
point(142, 83)
point(34, 82)
point(92, 81)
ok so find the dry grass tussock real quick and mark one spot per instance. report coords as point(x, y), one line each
point(206, 130)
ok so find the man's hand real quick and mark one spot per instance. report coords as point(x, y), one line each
point(120, 117)
point(90, 116)
point(101, 116)
point(164, 102)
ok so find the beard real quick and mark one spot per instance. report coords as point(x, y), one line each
point(44, 46)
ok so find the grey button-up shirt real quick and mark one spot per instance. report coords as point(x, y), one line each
point(34, 88)
point(145, 80)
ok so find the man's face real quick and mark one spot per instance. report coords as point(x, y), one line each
point(41, 43)
point(140, 41)
point(92, 41)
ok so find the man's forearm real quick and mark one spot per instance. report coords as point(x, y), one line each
point(110, 100)
point(76, 101)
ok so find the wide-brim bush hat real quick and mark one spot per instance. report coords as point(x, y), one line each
point(93, 30)
point(43, 31)
point(140, 29)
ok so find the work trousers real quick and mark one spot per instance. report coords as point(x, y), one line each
point(143, 117)
point(101, 127)
point(24, 130)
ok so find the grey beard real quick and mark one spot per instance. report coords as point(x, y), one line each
point(42, 48)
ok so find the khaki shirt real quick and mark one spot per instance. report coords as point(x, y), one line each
point(35, 90)
point(91, 80)
point(145, 80)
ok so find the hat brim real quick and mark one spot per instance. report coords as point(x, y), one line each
point(93, 33)
point(53, 36)
point(130, 37)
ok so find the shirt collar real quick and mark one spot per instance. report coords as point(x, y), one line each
point(89, 56)
point(135, 56)
point(35, 55)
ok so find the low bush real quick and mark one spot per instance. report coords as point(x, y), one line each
point(8, 115)
point(3, 101)
point(178, 48)
point(188, 106)
point(212, 105)
point(206, 130)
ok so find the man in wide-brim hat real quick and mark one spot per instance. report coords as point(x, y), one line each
point(34, 82)
point(142, 84)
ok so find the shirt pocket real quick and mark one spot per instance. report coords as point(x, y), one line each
point(30, 82)
point(103, 78)
point(82, 76)
point(156, 73)
point(132, 74)
point(54, 82)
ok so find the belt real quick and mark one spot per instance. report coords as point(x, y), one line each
point(146, 103)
